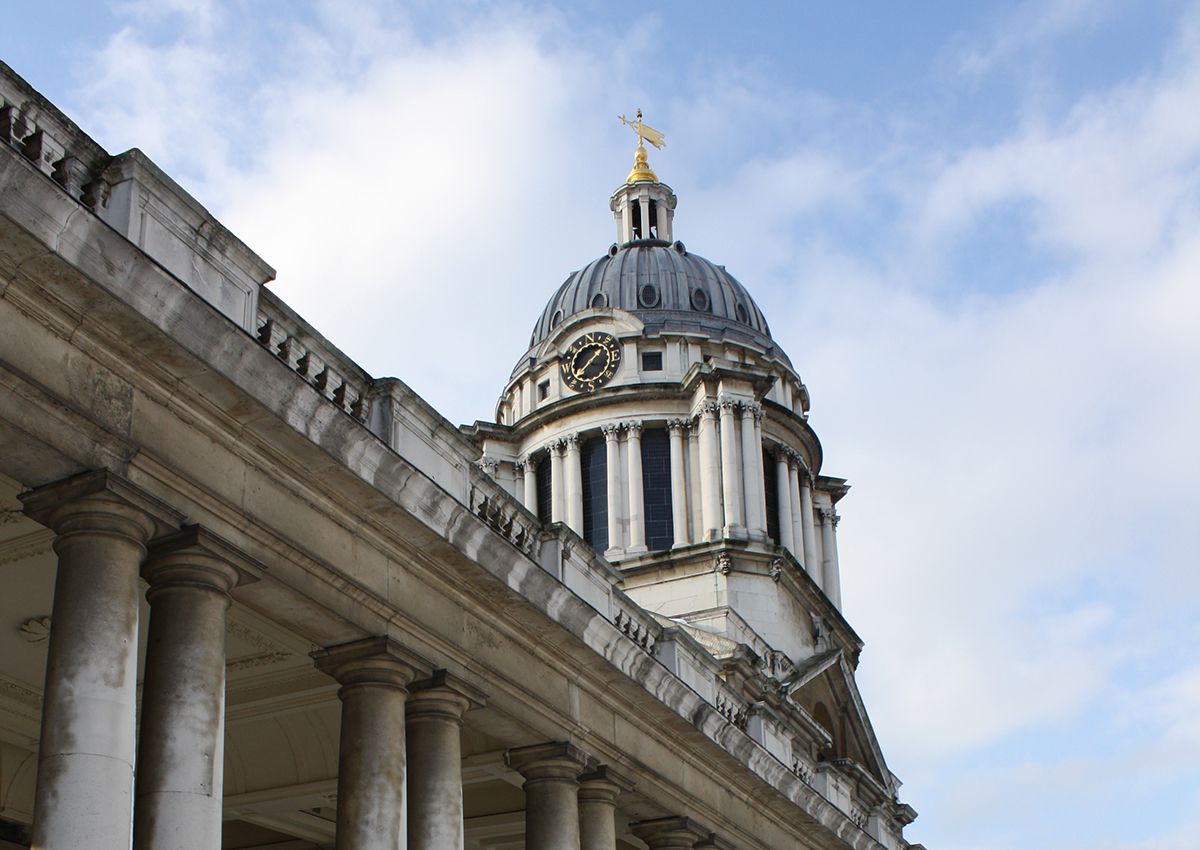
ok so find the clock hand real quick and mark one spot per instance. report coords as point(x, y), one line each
point(579, 372)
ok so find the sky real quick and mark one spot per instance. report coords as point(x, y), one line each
point(974, 227)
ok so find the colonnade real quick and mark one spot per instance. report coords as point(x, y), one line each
point(717, 479)
point(399, 780)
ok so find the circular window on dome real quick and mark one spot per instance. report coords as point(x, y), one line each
point(599, 300)
point(700, 300)
point(742, 315)
point(648, 295)
point(556, 318)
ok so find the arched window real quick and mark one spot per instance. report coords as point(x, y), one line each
point(594, 466)
point(821, 714)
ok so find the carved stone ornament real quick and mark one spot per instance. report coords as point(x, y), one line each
point(776, 570)
point(724, 563)
point(611, 430)
point(35, 629)
point(488, 465)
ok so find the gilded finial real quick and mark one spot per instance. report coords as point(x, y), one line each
point(641, 172)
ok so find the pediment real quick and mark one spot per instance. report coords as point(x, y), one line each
point(824, 687)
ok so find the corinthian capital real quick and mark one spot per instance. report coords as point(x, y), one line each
point(634, 426)
point(678, 425)
point(612, 430)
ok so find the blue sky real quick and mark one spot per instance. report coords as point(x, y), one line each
point(974, 227)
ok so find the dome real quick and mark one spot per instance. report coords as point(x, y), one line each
point(666, 288)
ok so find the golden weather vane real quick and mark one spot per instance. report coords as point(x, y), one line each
point(641, 172)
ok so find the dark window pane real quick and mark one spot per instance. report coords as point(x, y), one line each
point(545, 496)
point(594, 463)
point(656, 485)
point(771, 483)
point(652, 361)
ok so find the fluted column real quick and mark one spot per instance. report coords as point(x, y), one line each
point(573, 473)
point(612, 472)
point(752, 470)
point(783, 495)
point(374, 674)
point(731, 470)
point(794, 493)
point(598, 793)
point(180, 772)
point(637, 495)
point(433, 730)
point(710, 472)
point(808, 532)
point(557, 486)
point(679, 500)
point(551, 786)
point(84, 791)
point(831, 580)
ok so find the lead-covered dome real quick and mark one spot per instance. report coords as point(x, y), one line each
point(666, 287)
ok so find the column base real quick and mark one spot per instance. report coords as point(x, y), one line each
point(735, 532)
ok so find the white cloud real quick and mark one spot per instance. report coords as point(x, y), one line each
point(1023, 463)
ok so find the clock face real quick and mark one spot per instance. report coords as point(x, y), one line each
point(591, 361)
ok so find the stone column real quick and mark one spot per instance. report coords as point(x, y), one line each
point(598, 792)
point(612, 472)
point(637, 495)
point(551, 774)
point(84, 792)
point(679, 499)
point(644, 203)
point(783, 495)
point(695, 514)
point(528, 472)
point(762, 461)
point(434, 735)
point(374, 674)
point(752, 471)
point(672, 833)
point(831, 580)
point(794, 493)
point(710, 472)
point(557, 503)
point(808, 532)
point(573, 473)
point(731, 470)
point(181, 744)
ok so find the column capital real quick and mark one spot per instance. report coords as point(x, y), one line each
point(194, 555)
point(571, 442)
point(488, 465)
point(714, 842)
point(612, 431)
point(443, 695)
point(678, 426)
point(751, 410)
point(371, 661)
point(530, 462)
point(781, 453)
point(728, 404)
point(709, 408)
point(633, 426)
point(602, 784)
point(100, 501)
point(519, 468)
point(560, 760)
point(673, 833)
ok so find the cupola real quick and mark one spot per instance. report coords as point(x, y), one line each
point(643, 207)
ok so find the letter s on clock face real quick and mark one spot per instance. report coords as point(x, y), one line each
point(591, 361)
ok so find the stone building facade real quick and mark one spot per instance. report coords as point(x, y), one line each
point(254, 597)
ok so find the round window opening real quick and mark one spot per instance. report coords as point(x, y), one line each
point(700, 300)
point(648, 295)
point(556, 318)
point(599, 300)
point(742, 316)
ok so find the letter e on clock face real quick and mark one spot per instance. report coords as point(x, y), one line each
point(591, 361)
